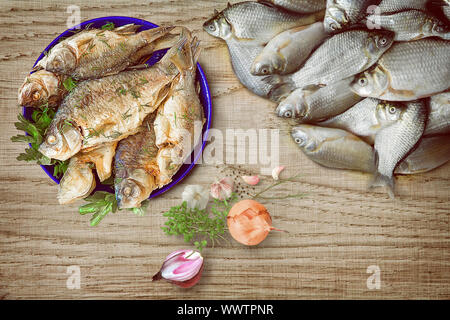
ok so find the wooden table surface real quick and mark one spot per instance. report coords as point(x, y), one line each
point(335, 233)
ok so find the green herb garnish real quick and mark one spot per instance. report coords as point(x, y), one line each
point(199, 226)
point(69, 84)
point(35, 131)
point(109, 26)
point(101, 203)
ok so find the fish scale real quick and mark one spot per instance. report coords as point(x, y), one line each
point(301, 6)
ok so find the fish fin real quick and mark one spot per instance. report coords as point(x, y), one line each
point(281, 86)
point(127, 29)
point(154, 34)
point(312, 88)
point(268, 3)
point(183, 57)
point(166, 41)
point(381, 180)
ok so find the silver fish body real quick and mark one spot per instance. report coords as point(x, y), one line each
point(300, 6)
point(288, 51)
point(366, 118)
point(439, 116)
point(408, 71)
point(339, 57)
point(242, 55)
point(310, 105)
point(341, 14)
point(430, 153)
point(411, 25)
point(334, 148)
point(261, 21)
point(394, 142)
point(391, 6)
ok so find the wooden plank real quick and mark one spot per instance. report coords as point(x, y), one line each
point(335, 232)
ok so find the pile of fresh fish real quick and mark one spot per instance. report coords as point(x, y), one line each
point(366, 80)
point(123, 117)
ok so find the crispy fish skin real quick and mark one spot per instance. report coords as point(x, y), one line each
point(136, 169)
point(411, 25)
point(179, 121)
point(108, 109)
point(407, 71)
point(77, 183)
point(288, 51)
point(41, 87)
point(300, 6)
point(341, 56)
point(439, 116)
point(242, 55)
point(310, 105)
point(341, 14)
point(95, 53)
point(431, 153)
point(334, 148)
point(367, 117)
point(101, 157)
point(394, 142)
point(261, 21)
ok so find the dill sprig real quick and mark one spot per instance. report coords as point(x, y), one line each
point(69, 84)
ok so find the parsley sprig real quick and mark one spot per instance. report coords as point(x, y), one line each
point(35, 131)
point(199, 226)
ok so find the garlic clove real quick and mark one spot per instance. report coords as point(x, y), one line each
point(195, 196)
point(251, 180)
point(222, 189)
point(182, 268)
point(276, 172)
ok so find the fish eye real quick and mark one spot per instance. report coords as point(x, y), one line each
point(51, 139)
point(36, 95)
point(298, 140)
point(264, 70)
point(392, 109)
point(383, 41)
point(212, 27)
point(439, 28)
point(362, 81)
point(127, 191)
point(287, 114)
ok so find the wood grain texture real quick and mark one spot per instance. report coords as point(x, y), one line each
point(335, 232)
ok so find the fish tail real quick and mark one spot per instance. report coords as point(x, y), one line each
point(281, 87)
point(154, 34)
point(127, 29)
point(381, 180)
point(183, 53)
